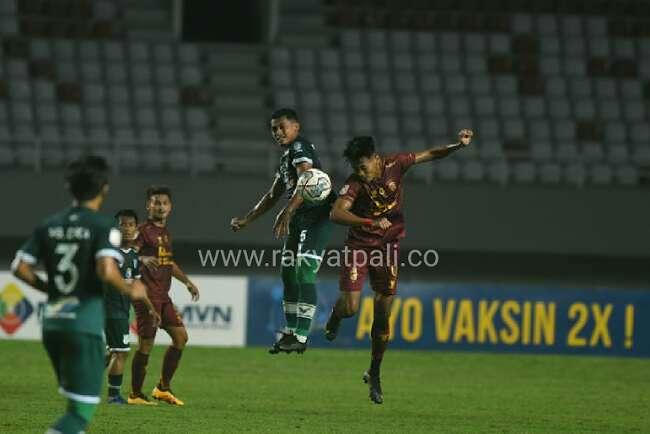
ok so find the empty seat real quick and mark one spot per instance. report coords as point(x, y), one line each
point(615, 132)
point(20, 90)
point(473, 170)
point(17, 69)
point(21, 112)
point(618, 154)
point(138, 51)
point(575, 174)
point(350, 39)
point(306, 79)
point(564, 130)
point(430, 83)
point(143, 95)
point(170, 118)
point(197, 118)
point(609, 110)
point(46, 113)
point(378, 60)
point(567, 152)
point(559, 109)
point(385, 103)
point(605, 88)
point(362, 123)
point(601, 174)
point(485, 106)
point(455, 84)
point(191, 75)
point(335, 101)
point(311, 100)
point(640, 133)
point(404, 81)
point(505, 86)
point(165, 75)
point(91, 72)
point(584, 109)
point(540, 130)
point(89, 50)
point(71, 114)
point(113, 52)
point(479, 85)
point(574, 46)
point(360, 102)
point(388, 125)
point(447, 169)
point(524, 172)
point(331, 80)
point(67, 71)
point(168, 95)
point(121, 116)
point(580, 88)
point(599, 47)
point(64, 49)
point(329, 58)
point(534, 107)
point(409, 103)
point(488, 128)
point(550, 173)
point(498, 171)
point(627, 175)
point(592, 152)
point(380, 82)
point(634, 110)
point(356, 81)
point(96, 115)
point(514, 128)
point(40, 48)
point(550, 45)
point(402, 61)
point(140, 74)
point(146, 117)
point(188, 54)
point(118, 94)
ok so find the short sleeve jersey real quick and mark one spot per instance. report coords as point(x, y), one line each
point(69, 244)
point(380, 198)
point(299, 151)
point(156, 241)
point(117, 304)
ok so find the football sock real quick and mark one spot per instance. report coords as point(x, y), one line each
point(114, 385)
point(138, 371)
point(76, 418)
point(170, 363)
point(307, 299)
point(290, 301)
point(379, 335)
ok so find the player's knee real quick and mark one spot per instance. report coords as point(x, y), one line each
point(350, 307)
point(180, 339)
point(145, 346)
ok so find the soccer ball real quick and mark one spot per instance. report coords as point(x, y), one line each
point(315, 185)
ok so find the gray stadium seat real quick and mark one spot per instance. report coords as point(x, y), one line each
point(89, 50)
point(575, 174)
point(550, 173)
point(40, 48)
point(46, 113)
point(20, 90)
point(592, 152)
point(64, 50)
point(197, 119)
point(335, 101)
point(567, 152)
point(189, 54)
point(67, 71)
point(96, 115)
point(601, 174)
point(627, 175)
point(498, 171)
point(119, 94)
point(113, 52)
point(524, 172)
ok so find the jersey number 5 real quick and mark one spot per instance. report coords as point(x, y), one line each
point(66, 265)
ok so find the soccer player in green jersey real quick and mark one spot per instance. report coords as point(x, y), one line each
point(118, 307)
point(78, 248)
point(306, 227)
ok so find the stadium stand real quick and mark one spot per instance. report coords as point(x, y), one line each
point(555, 93)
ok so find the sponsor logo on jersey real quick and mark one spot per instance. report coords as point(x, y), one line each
point(15, 308)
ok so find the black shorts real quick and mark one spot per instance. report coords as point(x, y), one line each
point(117, 334)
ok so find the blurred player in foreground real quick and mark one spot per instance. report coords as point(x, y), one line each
point(370, 203)
point(78, 248)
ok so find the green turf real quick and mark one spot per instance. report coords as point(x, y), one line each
point(248, 390)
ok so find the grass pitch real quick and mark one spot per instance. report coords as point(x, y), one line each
point(248, 390)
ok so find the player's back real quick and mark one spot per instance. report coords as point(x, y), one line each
point(68, 245)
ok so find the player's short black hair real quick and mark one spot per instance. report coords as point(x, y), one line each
point(127, 213)
point(159, 189)
point(359, 147)
point(86, 176)
point(285, 112)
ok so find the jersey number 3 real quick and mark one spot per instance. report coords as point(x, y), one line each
point(66, 265)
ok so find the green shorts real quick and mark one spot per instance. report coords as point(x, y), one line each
point(78, 361)
point(308, 235)
point(117, 335)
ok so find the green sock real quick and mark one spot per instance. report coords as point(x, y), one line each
point(76, 418)
point(114, 385)
point(290, 300)
point(307, 299)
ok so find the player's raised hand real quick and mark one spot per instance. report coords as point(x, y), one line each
point(237, 224)
point(465, 137)
point(382, 223)
point(193, 290)
point(151, 262)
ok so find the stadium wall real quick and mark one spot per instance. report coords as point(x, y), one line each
point(599, 221)
point(235, 311)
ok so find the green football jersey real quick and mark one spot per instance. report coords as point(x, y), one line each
point(69, 244)
point(299, 151)
point(118, 304)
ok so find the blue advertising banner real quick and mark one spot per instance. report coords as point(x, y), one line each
point(476, 318)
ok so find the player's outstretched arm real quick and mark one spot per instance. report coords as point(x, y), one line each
point(267, 202)
point(24, 271)
point(464, 139)
point(342, 215)
point(282, 220)
point(182, 277)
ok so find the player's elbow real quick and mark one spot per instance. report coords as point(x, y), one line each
point(335, 215)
